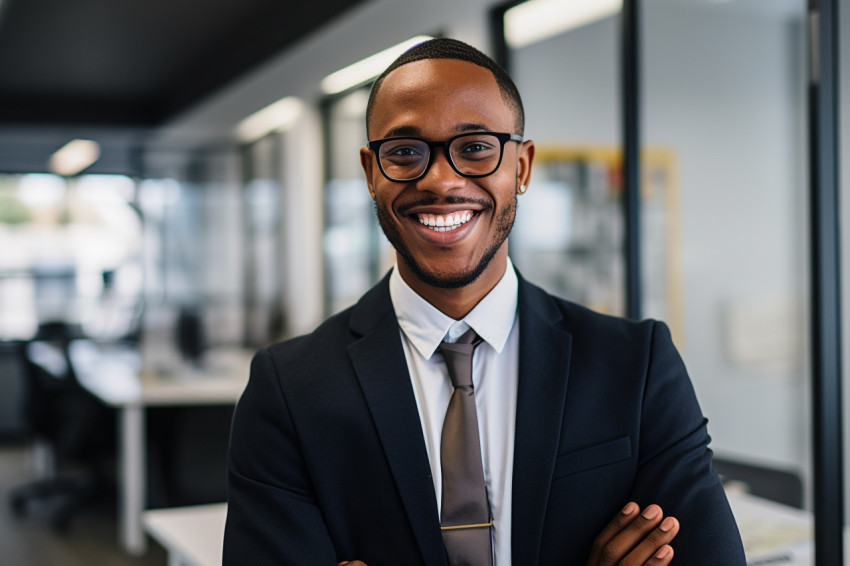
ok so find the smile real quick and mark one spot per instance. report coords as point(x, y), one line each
point(445, 222)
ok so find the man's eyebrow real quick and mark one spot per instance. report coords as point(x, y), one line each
point(471, 127)
point(403, 131)
point(400, 131)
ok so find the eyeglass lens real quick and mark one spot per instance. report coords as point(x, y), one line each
point(473, 154)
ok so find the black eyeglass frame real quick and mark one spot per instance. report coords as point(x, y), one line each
point(503, 138)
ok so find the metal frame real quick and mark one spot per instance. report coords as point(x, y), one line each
point(827, 422)
point(630, 61)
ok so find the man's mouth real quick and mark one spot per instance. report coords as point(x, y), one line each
point(445, 222)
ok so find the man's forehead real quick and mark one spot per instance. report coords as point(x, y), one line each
point(441, 86)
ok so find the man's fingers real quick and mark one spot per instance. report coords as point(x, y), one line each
point(661, 558)
point(633, 538)
point(633, 534)
point(654, 548)
point(612, 529)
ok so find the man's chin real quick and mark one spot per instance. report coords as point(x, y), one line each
point(447, 279)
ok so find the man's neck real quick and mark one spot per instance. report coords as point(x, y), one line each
point(458, 302)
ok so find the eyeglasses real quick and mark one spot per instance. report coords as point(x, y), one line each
point(471, 155)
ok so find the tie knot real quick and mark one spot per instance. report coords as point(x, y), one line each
point(458, 356)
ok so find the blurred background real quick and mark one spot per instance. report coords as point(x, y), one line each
point(180, 185)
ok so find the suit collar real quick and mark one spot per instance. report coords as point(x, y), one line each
point(425, 326)
point(544, 353)
point(378, 360)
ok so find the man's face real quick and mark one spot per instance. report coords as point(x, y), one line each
point(436, 99)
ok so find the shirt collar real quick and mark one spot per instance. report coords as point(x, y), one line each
point(426, 326)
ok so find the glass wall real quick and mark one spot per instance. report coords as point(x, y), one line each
point(264, 279)
point(355, 250)
point(194, 250)
point(725, 91)
point(70, 251)
point(724, 221)
point(569, 227)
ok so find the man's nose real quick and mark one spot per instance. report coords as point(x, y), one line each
point(441, 176)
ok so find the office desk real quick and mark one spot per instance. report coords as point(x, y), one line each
point(773, 533)
point(116, 377)
point(193, 536)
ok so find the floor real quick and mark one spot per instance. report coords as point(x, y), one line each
point(91, 539)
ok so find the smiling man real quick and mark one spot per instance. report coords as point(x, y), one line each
point(458, 414)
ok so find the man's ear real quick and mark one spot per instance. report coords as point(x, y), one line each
point(525, 160)
point(368, 164)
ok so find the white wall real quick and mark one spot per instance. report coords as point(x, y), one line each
point(726, 92)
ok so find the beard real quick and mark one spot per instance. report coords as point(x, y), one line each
point(504, 219)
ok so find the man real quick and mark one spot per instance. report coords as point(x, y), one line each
point(588, 426)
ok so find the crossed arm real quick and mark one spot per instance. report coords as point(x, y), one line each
point(632, 538)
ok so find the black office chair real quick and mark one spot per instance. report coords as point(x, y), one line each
point(78, 428)
point(13, 424)
point(782, 486)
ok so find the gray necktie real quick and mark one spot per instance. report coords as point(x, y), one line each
point(466, 520)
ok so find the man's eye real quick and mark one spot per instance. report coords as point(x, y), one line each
point(402, 152)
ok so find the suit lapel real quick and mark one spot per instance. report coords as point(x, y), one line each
point(381, 369)
point(544, 353)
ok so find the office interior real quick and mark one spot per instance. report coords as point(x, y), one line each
point(243, 219)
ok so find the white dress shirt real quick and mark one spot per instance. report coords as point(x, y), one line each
point(495, 371)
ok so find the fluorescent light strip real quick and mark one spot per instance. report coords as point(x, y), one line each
point(276, 117)
point(368, 68)
point(537, 20)
point(74, 156)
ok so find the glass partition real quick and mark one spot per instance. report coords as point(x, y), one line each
point(356, 251)
point(568, 235)
point(724, 229)
point(70, 251)
point(725, 94)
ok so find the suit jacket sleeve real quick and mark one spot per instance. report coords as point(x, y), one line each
point(272, 515)
point(674, 462)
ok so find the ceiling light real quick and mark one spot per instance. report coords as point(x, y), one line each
point(74, 156)
point(368, 68)
point(276, 117)
point(537, 20)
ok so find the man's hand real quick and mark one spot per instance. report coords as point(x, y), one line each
point(349, 563)
point(634, 539)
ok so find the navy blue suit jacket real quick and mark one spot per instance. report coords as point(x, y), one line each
point(328, 462)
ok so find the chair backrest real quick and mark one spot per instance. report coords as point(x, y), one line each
point(782, 486)
point(13, 388)
point(59, 409)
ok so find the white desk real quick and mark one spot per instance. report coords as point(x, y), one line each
point(116, 377)
point(773, 534)
point(193, 536)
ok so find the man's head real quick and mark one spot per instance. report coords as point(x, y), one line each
point(447, 209)
point(447, 48)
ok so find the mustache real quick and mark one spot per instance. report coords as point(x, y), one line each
point(451, 199)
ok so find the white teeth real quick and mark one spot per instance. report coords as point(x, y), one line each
point(444, 223)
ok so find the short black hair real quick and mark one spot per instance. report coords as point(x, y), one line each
point(447, 48)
